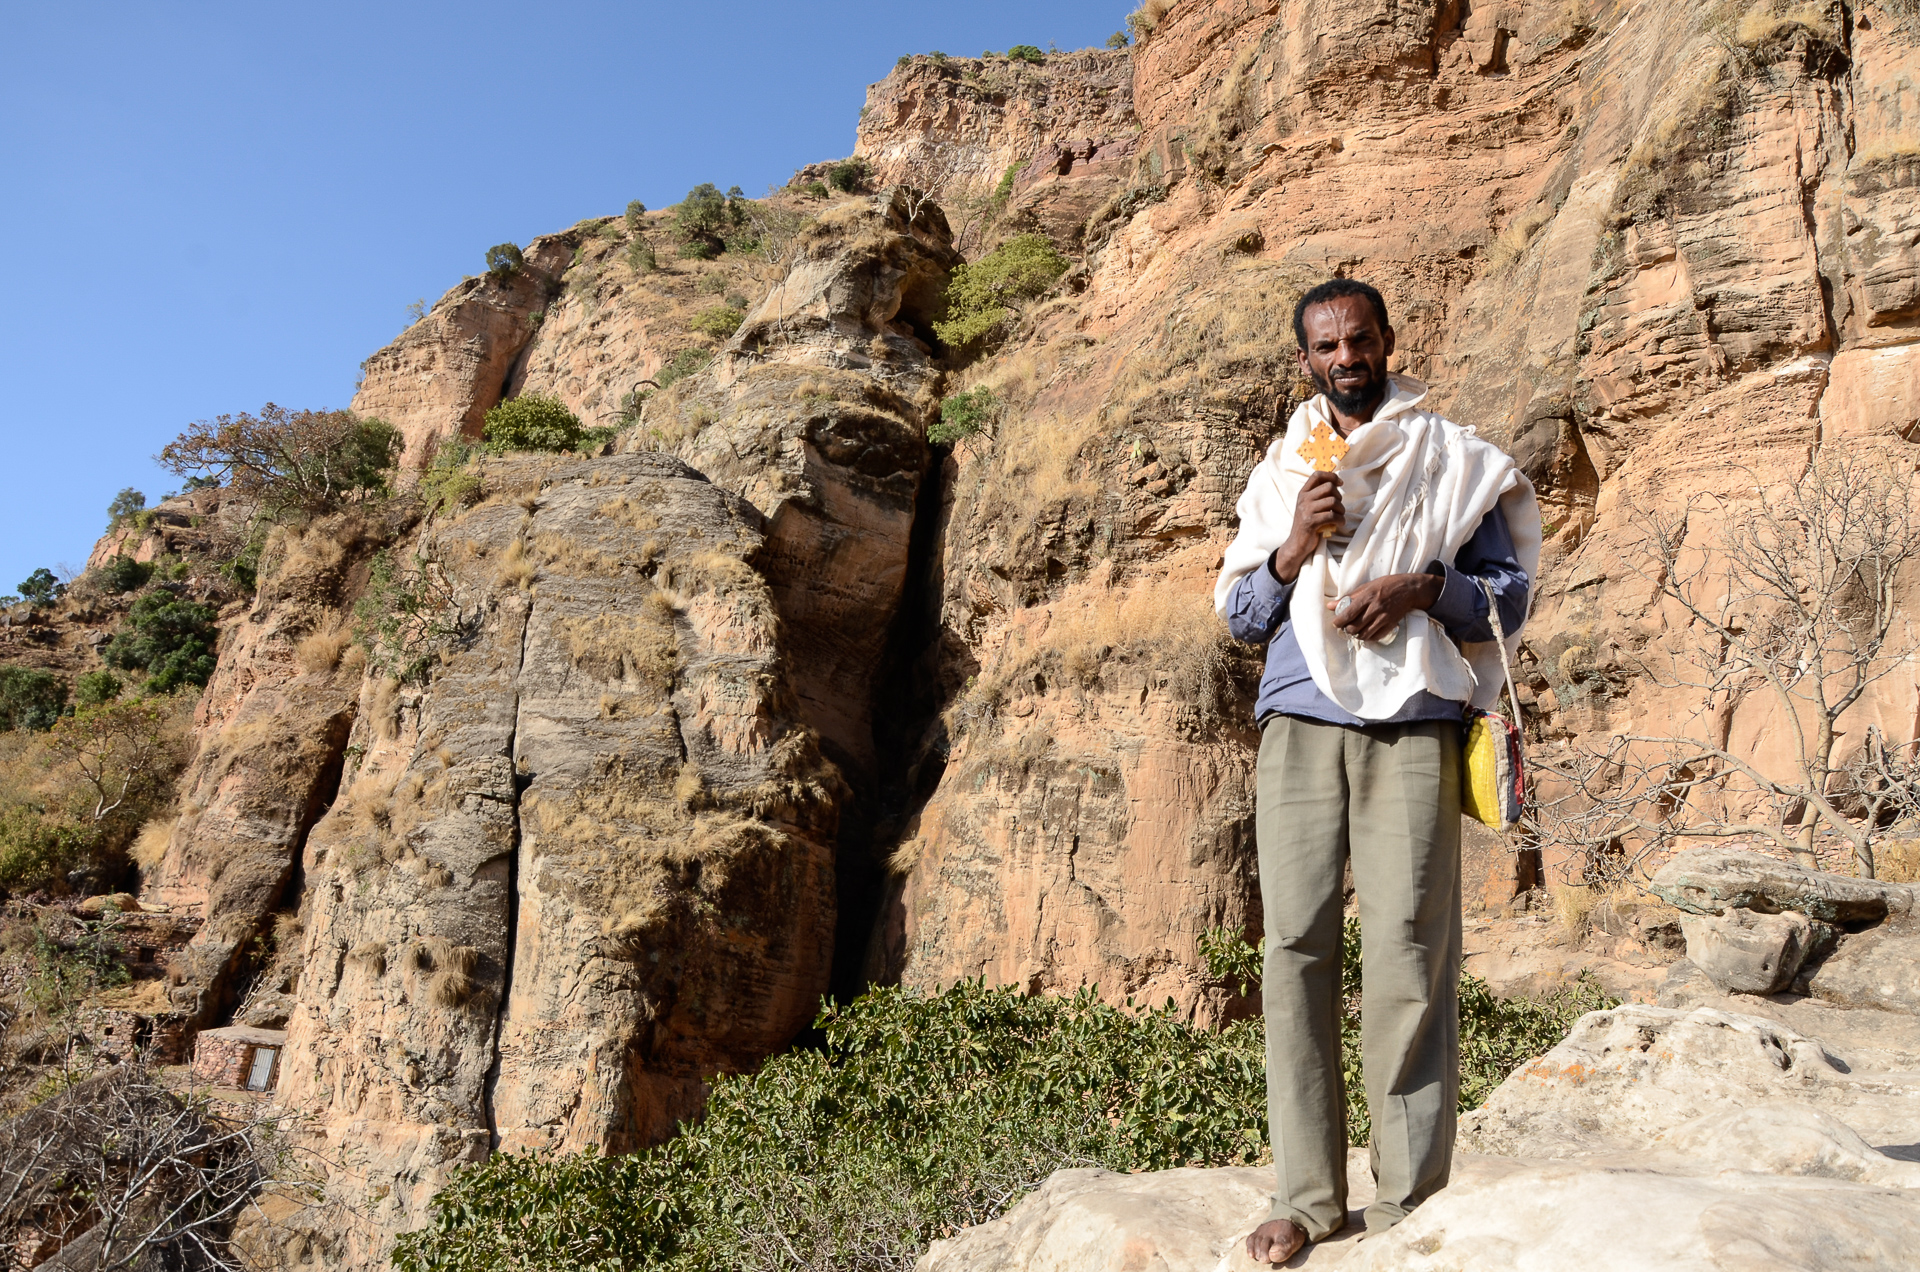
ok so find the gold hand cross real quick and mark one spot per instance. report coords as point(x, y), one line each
point(1324, 449)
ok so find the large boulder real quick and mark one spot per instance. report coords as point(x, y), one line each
point(1748, 953)
point(1879, 968)
point(1715, 880)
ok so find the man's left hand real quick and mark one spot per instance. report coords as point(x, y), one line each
point(1378, 605)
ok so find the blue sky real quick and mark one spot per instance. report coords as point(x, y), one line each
point(209, 207)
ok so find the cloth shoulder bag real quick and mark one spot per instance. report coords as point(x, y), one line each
point(1493, 771)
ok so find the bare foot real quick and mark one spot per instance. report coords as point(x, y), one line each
point(1275, 1241)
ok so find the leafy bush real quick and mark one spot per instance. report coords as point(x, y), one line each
point(641, 256)
point(124, 505)
point(536, 422)
point(1497, 1035)
point(681, 365)
point(849, 176)
point(719, 322)
point(504, 261)
point(307, 461)
point(123, 574)
point(1027, 53)
point(95, 688)
point(709, 220)
point(171, 639)
point(407, 616)
point(978, 295)
point(919, 1114)
point(699, 250)
point(815, 189)
point(30, 698)
point(41, 589)
point(449, 482)
point(964, 415)
point(1118, 40)
point(635, 210)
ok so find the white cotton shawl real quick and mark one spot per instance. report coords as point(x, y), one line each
point(1415, 486)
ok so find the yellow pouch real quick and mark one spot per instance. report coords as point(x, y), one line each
point(1493, 772)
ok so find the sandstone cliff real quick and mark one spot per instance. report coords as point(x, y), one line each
point(777, 696)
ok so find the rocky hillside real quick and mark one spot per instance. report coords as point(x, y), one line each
point(774, 696)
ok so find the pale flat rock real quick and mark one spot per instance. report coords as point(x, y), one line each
point(1558, 1218)
point(1715, 880)
point(1623, 1078)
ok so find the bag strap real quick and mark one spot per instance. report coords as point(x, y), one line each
point(1500, 640)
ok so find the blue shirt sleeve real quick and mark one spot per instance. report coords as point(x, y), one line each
point(1489, 555)
point(1257, 605)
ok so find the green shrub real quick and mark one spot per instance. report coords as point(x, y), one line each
point(1027, 53)
point(707, 218)
point(964, 415)
point(30, 698)
point(635, 211)
point(641, 257)
point(531, 422)
point(170, 639)
point(849, 176)
point(699, 250)
point(123, 574)
point(681, 365)
point(719, 322)
point(95, 688)
point(903, 62)
point(408, 616)
point(920, 1114)
point(1118, 40)
point(449, 483)
point(41, 589)
point(124, 505)
point(815, 189)
point(978, 295)
point(504, 261)
point(1497, 1035)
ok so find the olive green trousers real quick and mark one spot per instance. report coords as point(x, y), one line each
point(1388, 797)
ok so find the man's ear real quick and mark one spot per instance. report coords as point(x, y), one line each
point(1306, 368)
point(1389, 342)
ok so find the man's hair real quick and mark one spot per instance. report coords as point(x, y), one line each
point(1333, 289)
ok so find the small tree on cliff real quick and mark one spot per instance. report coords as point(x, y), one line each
point(1791, 603)
point(308, 461)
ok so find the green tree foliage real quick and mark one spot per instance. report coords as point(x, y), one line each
point(1027, 53)
point(537, 422)
point(125, 504)
point(96, 688)
point(706, 211)
point(73, 800)
point(635, 210)
point(408, 615)
point(979, 295)
point(30, 698)
point(965, 415)
point(719, 322)
point(169, 638)
point(681, 365)
point(849, 176)
point(306, 461)
point(123, 574)
point(504, 261)
point(1118, 40)
point(919, 1114)
point(41, 589)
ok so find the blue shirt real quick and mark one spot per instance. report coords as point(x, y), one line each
point(1258, 613)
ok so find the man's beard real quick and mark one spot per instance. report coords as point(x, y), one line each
point(1360, 401)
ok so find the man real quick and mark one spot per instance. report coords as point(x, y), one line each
point(1369, 587)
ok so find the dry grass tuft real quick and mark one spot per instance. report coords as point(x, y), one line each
point(448, 968)
point(1898, 860)
point(372, 956)
point(615, 647)
point(1771, 17)
point(1511, 245)
point(319, 652)
point(150, 847)
point(1572, 903)
point(516, 567)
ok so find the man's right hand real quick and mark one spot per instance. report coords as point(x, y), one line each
point(1319, 505)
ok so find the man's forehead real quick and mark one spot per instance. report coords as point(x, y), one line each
point(1340, 315)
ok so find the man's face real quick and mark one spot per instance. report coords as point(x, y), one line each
point(1346, 354)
